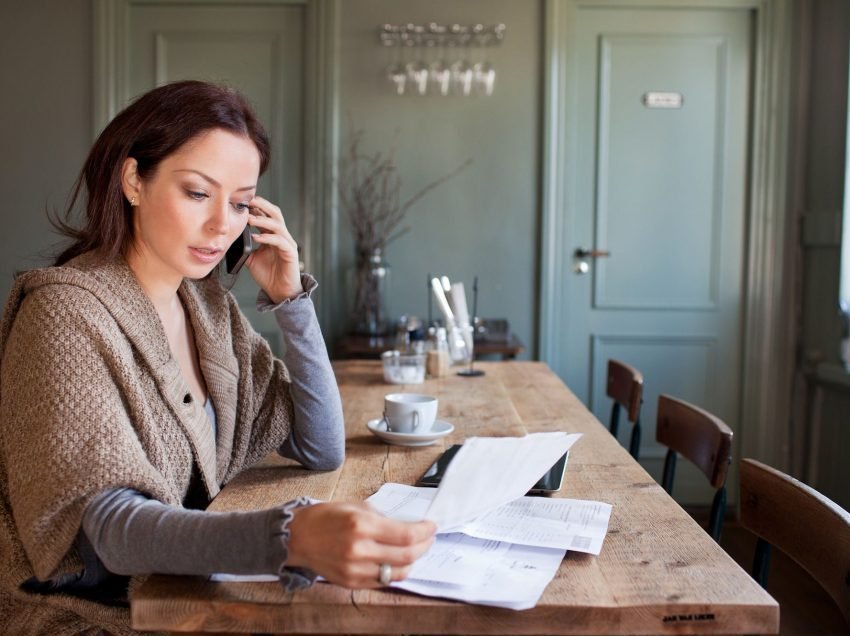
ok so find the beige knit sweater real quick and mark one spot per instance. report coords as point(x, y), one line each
point(91, 399)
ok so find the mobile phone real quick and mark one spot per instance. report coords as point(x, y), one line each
point(549, 483)
point(239, 252)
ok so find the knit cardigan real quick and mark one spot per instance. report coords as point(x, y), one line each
point(92, 399)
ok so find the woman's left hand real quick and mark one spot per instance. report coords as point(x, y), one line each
point(275, 265)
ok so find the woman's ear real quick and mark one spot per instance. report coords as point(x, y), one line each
point(131, 184)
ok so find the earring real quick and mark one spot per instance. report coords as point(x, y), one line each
point(132, 201)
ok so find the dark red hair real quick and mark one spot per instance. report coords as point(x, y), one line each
point(150, 129)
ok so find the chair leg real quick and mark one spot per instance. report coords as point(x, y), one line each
point(761, 562)
point(614, 425)
point(718, 510)
point(669, 471)
point(634, 445)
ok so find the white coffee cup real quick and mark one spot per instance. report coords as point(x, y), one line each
point(409, 412)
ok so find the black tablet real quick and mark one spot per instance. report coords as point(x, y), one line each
point(549, 483)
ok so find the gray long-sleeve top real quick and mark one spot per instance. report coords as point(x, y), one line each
point(131, 534)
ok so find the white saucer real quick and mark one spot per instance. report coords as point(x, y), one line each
point(438, 430)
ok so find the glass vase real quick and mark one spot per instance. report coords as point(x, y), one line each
point(368, 285)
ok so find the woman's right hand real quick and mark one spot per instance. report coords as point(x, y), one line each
point(347, 543)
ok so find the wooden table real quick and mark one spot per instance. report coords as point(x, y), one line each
point(658, 573)
point(368, 347)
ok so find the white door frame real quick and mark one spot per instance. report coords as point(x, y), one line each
point(321, 134)
point(767, 357)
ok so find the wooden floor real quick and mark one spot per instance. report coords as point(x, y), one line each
point(804, 608)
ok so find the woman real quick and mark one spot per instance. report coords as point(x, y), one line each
point(132, 388)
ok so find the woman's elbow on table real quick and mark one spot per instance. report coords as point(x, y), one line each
point(326, 453)
point(331, 460)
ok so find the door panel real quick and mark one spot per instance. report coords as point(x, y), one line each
point(258, 50)
point(640, 149)
point(657, 149)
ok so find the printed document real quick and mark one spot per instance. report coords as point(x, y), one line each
point(505, 557)
point(488, 472)
point(569, 524)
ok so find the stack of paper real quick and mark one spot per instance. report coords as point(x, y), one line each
point(494, 546)
point(505, 557)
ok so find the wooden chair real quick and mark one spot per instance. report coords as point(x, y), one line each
point(703, 439)
point(625, 387)
point(805, 525)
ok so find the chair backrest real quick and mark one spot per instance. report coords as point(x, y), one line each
point(625, 386)
point(805, 525)
point(697, 435)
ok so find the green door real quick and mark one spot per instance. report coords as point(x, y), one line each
point(656, 165)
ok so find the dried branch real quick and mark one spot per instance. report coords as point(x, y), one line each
point(370, 194)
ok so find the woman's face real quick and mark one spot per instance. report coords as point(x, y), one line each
point(194, 206)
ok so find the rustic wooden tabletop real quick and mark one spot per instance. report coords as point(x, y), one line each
point(658, 572)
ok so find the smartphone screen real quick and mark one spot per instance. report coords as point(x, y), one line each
point(550, 482)
point(239, 252)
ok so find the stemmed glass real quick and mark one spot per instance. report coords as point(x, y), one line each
point(417, 70)
point(485, 74)
point(397, 72)
point(440, 73)
point(462, 73)
point(398, 76)
point(485, 77)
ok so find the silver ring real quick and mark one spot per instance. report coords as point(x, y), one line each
point(385, 574)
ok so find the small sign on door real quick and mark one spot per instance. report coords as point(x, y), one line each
point(663, 100)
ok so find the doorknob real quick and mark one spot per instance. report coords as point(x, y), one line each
point(583, 253)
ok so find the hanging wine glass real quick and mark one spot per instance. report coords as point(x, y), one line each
point(462, 73)
point(397, 72)
point(439, 72)
point(483, 71)
point(417, 70)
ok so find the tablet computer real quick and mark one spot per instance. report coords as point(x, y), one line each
point(549, 483)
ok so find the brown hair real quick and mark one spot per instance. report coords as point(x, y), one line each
point(150, 129)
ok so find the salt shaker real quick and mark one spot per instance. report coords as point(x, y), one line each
point(438, 362)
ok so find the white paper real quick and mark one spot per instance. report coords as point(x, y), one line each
point(515, 579)
point(488, 472)
point(458, 559)
point(401, 502)
point(482, 563)
point(544, 522)
point(569, 524)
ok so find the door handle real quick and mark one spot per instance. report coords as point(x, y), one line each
point(583, 253)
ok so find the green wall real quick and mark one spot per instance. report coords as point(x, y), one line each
point(45, 122)
point(485, 221)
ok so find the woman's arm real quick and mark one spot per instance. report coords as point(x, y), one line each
point(345, 543)
point(134, 535)
point(317, 437)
